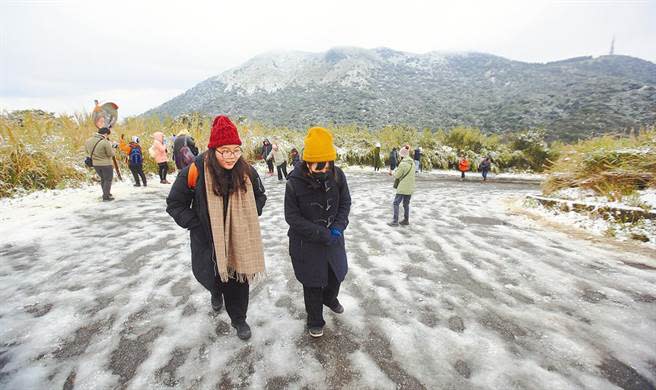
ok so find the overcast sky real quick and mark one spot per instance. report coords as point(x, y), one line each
point(60, 55)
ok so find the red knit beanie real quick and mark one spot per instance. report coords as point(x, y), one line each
point(224, 132)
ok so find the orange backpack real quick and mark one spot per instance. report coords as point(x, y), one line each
point(192, 176)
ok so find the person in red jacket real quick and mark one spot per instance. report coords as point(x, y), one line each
point(463, 166)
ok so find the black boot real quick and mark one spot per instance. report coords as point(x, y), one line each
point(337, 307)
point(243, 330)
point(405, 222)
point(217, 301)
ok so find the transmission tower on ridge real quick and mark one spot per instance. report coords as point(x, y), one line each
point(612, 46)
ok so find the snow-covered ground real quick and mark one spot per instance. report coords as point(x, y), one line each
point(452, 173)
point(642, 198)
point(598, 225)
point(101, 295)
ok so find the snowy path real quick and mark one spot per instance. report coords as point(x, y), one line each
point(99, 295)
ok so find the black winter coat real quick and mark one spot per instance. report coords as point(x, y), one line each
point(394, 157)
point(189, 210)
point(311, 209)
point(266, 149)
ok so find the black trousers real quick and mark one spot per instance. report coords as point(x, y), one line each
point(163, 170)
point(137, 172)
point(270, 166)
point(235, 296)
point(282, 169)
point(316, 297)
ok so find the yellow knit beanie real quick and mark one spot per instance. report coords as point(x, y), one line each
point(318, 146)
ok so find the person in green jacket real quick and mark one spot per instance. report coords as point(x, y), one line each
point(101, 151)
point(405, 173)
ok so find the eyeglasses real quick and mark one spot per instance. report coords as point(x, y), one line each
point(229, 153)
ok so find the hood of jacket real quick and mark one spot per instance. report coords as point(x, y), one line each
point(158, 136)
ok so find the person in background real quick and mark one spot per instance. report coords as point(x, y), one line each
point(405, 174)
point(266, 149)
point(135, 159)
point(184, 149)
point(296, 158)
point(394, 159)
point(463, 166)
point(279, 158)
point(417, 159)
point(158, 152)
point(101, 151)
point(485, 166)
point(377, 161)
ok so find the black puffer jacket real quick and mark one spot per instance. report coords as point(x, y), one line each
point(189, 210)
point(311, 209)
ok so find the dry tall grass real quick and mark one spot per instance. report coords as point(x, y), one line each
point(40, 150)
point(613, 166)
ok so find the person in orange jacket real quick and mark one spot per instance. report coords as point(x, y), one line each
point(463, 166)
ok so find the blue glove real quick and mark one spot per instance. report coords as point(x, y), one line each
point(335, 234)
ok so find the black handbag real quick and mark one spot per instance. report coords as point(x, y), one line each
point(89, 160)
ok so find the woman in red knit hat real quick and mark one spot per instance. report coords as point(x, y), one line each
point(219, 198)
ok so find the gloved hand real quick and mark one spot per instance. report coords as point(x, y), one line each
point(335, 234)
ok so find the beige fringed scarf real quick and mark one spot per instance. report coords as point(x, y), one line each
point(238, 243)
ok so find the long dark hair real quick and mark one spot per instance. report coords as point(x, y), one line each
point(227, 181)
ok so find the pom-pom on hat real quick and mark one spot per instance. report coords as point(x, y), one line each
point(224, 132)
point(318, 146)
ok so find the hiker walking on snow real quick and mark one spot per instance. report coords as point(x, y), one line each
point(279, 158)
point(158, 152)
point(377, 162)
point(266, 149)
point(394, 159)
point(184, 149)
point(405, 187)
point(317, 206)
point(417, 159)
point(135, 159)
point(101, 151)
point(485, 166)
point(219, 198)
point(463, 166)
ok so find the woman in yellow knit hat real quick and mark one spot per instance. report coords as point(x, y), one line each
point(317, 206)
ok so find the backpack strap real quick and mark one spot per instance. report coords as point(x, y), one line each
point(94, 149)
point(192, 176)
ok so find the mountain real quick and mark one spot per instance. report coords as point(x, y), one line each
point(377, 87)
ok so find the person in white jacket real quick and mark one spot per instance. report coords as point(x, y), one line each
point(280, 160)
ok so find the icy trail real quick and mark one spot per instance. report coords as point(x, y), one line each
point(101, 295)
